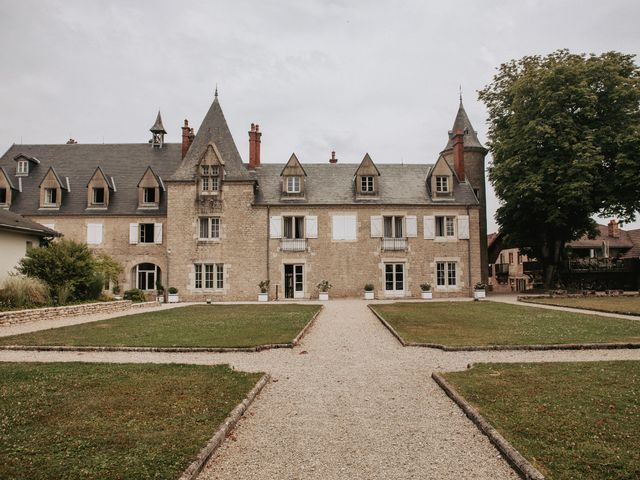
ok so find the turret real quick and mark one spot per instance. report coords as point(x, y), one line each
point(157, 133)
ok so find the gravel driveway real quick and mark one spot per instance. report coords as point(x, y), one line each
point(349, 403)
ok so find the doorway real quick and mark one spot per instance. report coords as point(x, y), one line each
point(394, 279)
point(294, 281)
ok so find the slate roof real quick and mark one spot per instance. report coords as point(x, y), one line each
point(634, 236)
point(623, 241)
point(126, 163)
point(157, 126)
point(463, 123)
point(328, 184)
point(214, 129)
point(15, 222)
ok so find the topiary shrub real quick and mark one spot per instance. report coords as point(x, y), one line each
point(135, 295)
point(24, 292)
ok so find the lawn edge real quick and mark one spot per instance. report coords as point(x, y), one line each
point(535, 347)
point(194, 469)
point(89, 348)
point(601, 310)
point(517, 461)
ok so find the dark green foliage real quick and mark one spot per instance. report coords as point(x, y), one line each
point(135, 295)
point(173, 290)
point(564, 133)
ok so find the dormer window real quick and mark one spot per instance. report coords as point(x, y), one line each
point(149, 190)
point(22, 168)
point(293, 184)
point(3, 196)
point(210, 179)
point(149, 195)
point(98, 196)
point(367, 184)
point(442, 184)
point(50, 197)
point(366, 179)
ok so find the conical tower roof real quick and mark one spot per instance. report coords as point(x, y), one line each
point(213, 129)
point(158, 127)
point(463, 123)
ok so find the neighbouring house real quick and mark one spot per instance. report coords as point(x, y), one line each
point(509, 270)
point(17, 235)
point(196, 217)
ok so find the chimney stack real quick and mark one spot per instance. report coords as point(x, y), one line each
point(458, 154)
point(254, 146)
point(333, 158)
point(187, 137)
point(614, 229)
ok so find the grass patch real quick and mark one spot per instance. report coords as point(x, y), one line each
point(493, 323)
point(628, 305)
point(570, 420)
point(107, 421)
point(193, 326)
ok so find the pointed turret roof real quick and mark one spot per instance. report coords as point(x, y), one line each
point(213, 130)
point(463, 123)
point(158, 127)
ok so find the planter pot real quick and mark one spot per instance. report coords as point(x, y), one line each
point(117, 297)
point(263, 297)
point(368, 295)
point(173, 298)
point(324, 296)
point(478, 294)
point(426, 295)
point(160, 299)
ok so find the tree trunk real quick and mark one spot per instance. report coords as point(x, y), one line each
point(551, 255)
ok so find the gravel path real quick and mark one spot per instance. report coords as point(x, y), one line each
point(349, 403)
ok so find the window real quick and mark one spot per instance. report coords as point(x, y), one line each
point(293, 184)
point(394, 277)
point(213, 277)
point(94, 233)
point(50, 196)
point(293, 227)
point(393, 227)
point(3, 195)
point(344, 227)
point(209, 228)
point(147, 275)
point(210, 181)
point(519, 257)
point(149, 195)
point(146, 232)
point(366, 184)
point(22, 168)
point(445, 227)
point(98, 196)
point(442, 184)
point(510, 257)
point(446, 274)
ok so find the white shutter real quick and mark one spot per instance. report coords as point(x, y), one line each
point(94, 233)
point(311, 226)
point(350, 225)
point(133, 233)
point(157, 233)
point(411, 225)
point(275, 227)
point(429, 227)
point(376, 226)
point(463, 227)
point(338, 227)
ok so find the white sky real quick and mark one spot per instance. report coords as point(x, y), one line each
point(355, 76)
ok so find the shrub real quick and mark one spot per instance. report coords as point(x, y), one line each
point(324, 286)
point(135, 295)
point(479, 286)
point(369, 287)
point(264, 286)
point(24, 292)
point(173, 290)
point(425, 287)
point(62, 293)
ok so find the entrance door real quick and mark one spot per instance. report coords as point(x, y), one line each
point(394, 279)
point(294, 281)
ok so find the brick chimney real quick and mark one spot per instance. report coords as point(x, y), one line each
point(614, 229)
point(187, 137)
point(254, 146)
point(333, 158)
point(458, 154)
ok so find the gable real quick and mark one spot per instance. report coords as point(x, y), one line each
point(100, 179)
point(293, 168)
point(52, 180)
point(367, 167)
point(211, 156)
point(149, 179)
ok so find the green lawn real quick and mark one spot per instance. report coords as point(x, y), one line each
point(193, 326)
point(630, 305)
point(108, 421)
point(570, 420)
point(493, 323)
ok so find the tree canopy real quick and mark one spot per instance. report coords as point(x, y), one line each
point(564, 132)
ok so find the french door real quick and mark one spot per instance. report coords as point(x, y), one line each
point(394, 279)
point(294, 281)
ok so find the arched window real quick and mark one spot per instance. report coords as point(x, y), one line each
point(146, 275)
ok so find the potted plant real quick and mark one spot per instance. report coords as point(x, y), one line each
point(425, 291)
point(173, 295)
point(324, 286)
point(116, 292)
point(368, 291)
point(263, 296)
point(160, 292)
point(479, 291)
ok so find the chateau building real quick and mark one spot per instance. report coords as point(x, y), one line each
point(195, 217)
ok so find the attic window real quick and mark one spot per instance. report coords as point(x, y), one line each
point(98, 196)
point(22, 168)
point(366, 184)
point(50, 196)
point(3, 196)
point(210, 181)
point(293, 184)
point(442, 184)
point(149, 195)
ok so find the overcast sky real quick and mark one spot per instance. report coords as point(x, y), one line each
point(355, 76)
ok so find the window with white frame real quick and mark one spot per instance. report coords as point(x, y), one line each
point(393, 227)
point(149, 195)
point(366, 184)
point(446, 274)
point(210, 178)
point(50, 196)
point(293, 227)
point(3, 196)
point(445, 227)
point(209, 276)
point(147, 233)
point(293, 184)
point(442, 184)
point(209, 228)
point(344, 227)
point(22, 168)
point(98, 196)
point(94, 233)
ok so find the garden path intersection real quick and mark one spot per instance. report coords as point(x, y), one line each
point(349, 402)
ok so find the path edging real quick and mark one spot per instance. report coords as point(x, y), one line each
point(535, 347)
point(306, 328)
point(192, 471)
point(525, 299)
point(520, 464)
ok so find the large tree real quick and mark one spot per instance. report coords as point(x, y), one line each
point(564, 132)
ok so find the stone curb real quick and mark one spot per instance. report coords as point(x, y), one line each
point(615, 312)
point(515, 459)
point(534, 347)
point(257, 348)
point(229, 423)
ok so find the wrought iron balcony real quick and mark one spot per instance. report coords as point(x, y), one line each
point(293, 244)
point(502, 268)
point(394, 244)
